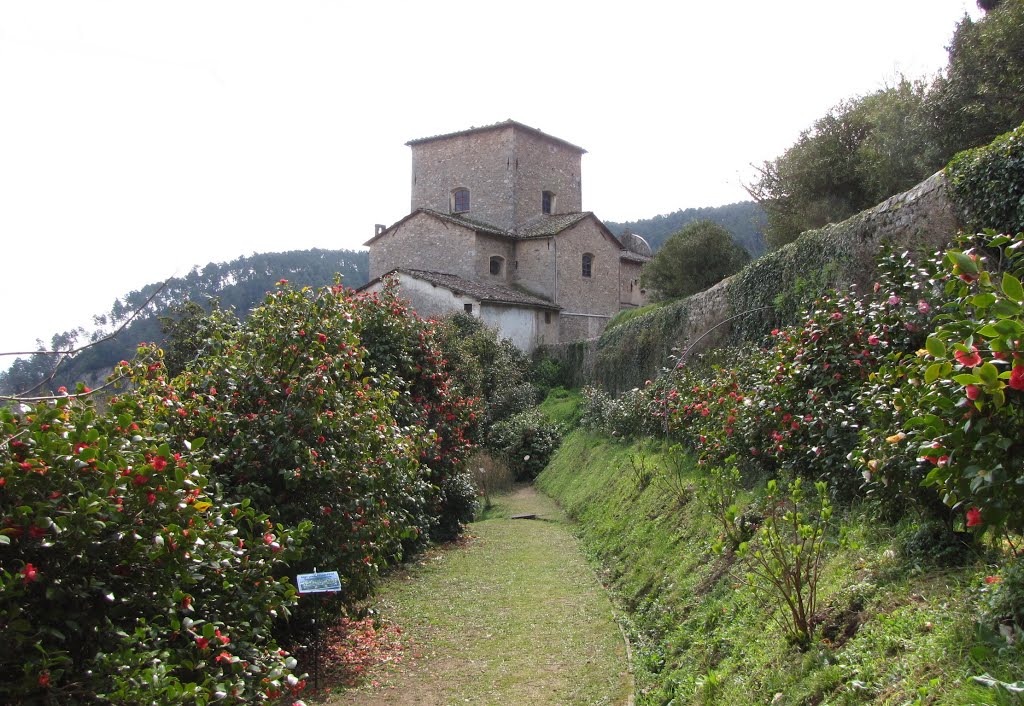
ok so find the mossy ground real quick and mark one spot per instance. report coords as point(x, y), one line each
point(893, 629)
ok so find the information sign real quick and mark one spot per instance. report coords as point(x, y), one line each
point(320, 582)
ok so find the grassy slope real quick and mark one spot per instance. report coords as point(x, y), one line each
point(513, 616)
point(701, 637)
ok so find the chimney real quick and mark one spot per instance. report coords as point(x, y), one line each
point(378, 229)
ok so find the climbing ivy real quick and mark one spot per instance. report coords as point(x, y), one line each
point(987, 184)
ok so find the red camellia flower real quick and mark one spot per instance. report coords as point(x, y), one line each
point(268, 538)
point(1017, 377)
point(44, 679)
point(968, 360)
point(159, 463)
point(974, 517)
point(202, 643)
point(321, 337)
point(973, 392)
point(29, 574)
point(992, 579)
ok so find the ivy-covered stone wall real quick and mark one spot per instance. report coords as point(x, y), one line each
point(767, 293)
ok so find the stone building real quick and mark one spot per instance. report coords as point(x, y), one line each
point(497, 230)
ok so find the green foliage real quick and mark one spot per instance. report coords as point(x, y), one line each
point(887, 630)
point(124, 576)
point(719, 492)
point(489, 368)
point(972, 410)
point(988, 184)
point(869, 148)
point(979, 95)
point(863, 151)
point(1004, 603)
point(638, 348)
point(238, 285)
point(700, 255)
point(785, 561)
point(745, 222)
point(526, 442)
point(187, 328)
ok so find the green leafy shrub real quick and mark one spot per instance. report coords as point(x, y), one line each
point(988, 184)
point(408, 352)
point(784, 563)
point(1004, 604)
point(526, 441)
point(124, 576)
point(973, 407)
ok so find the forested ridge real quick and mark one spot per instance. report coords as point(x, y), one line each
point(745, 220)
point(239, 285)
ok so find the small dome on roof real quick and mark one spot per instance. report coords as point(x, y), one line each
point(635, 243)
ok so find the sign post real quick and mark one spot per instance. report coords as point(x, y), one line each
point(317, 582)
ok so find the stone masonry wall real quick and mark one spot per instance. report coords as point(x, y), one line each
point(922, 219)
point(425, 243)
point(544, 165)
point(481, 162)
point(506, 171)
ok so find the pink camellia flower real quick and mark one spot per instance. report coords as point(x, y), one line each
point(974, 517)
point(1017, 377)
point(923, 307)
point(894, 300)
point(968, 360)
point(872, 340)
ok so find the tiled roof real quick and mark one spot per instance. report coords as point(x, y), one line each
point(459, 219)
point(498, 126)
point(551, 225)
point(483, 291)
point(633, 257)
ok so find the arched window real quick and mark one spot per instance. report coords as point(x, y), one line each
point(588, 262)
point(497, 264)
point(547, 202)
point(460, 200)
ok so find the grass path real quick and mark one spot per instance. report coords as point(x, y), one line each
point(513, 615)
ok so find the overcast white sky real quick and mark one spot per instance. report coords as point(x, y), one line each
point(138, 139)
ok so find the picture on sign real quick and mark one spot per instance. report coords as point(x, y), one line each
point(320, 582)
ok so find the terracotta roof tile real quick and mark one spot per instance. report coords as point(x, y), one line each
point(483, 291)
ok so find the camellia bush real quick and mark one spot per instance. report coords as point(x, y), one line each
point(296, 424)
point(971, 429)
point(405, 348)
point(124, 576)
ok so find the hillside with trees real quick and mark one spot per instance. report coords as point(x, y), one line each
point(238, 285)
point(745, 221)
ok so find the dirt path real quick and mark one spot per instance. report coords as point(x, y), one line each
point(512, 616)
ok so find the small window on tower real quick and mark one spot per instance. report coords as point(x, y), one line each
point(547, 202)
point(460, 200)
point(468, 308)
point(588, 262)
point(497, 264)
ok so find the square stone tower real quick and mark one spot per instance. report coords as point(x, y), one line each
point(507, 175)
